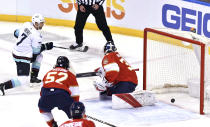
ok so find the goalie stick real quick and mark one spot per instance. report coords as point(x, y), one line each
point(101, 121)
point(90, 74)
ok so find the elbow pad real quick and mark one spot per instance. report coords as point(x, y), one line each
point(16, 33)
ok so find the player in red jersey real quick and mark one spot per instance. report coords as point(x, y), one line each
point(118, 76)
point(60, 89)
point(77, 110)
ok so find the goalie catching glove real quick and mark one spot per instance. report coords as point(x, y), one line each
point(102, 86)
point(99, 86)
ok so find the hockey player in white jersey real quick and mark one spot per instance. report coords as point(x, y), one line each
point(28, 49)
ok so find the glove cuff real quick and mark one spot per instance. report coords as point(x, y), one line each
point(43, 47)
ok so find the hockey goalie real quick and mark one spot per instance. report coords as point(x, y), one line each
point(119, 80)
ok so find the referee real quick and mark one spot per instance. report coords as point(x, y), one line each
point(85, 8)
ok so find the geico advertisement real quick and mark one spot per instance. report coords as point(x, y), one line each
point(133, 14)
point(182, 17)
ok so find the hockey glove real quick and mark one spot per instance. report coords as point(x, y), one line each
point(102, 86)
point(2, 88)
point(100, 72)
point(47, 46)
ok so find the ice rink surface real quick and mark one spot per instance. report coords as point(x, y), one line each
point(19, 107)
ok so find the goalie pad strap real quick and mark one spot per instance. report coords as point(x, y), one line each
point(129, 99)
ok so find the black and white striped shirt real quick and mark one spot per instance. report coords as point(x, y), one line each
point(90, 2)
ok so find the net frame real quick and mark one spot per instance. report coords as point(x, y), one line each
point(202, 61)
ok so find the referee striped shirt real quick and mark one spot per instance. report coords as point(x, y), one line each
point(90, 2)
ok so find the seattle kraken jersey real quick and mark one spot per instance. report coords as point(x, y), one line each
point(28, 42)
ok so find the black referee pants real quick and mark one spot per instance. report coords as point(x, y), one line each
point(100, 18)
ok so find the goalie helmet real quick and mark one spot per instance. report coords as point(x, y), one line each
point(109, 47)
point(63, 62)
point(37, 18)
point(77, 110)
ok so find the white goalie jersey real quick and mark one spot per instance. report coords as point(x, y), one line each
point(28, 43)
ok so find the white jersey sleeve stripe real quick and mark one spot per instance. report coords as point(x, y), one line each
point(111, 67)
point(74, 90)
point(47, 116)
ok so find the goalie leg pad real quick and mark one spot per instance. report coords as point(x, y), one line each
point(133, 100)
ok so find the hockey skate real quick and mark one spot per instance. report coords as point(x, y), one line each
point(34, 75)
point(35, 80)
point(78, 47)
point(2, 88)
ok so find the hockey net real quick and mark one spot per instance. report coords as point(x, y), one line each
point(177, 63)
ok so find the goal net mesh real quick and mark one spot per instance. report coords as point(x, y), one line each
point(173, 64)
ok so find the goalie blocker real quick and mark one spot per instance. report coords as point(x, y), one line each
point(133, 100)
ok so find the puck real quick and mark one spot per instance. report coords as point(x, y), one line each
point(172, 100)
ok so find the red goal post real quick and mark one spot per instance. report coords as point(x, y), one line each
point(177, 37)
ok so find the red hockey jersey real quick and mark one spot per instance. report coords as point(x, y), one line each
point(78, 123)
point(117, 69)
point(62, 79)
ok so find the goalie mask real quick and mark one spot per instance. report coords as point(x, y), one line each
point(77, 110)
point(63, 62)
point(38, 21)
point(109, 47)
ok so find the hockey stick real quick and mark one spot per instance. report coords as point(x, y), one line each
point(111, 125)
point(83, 50)
point(86, 74)
point(60, 47)
point(90, 74)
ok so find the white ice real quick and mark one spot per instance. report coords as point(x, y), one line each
point(19, 107)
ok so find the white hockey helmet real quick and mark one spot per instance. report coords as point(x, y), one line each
point(37, 18)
